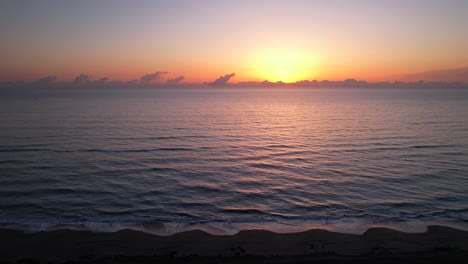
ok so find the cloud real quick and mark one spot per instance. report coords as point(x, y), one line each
point(176, 80)
point(82, 78)
point(102, 80)
point(350, 81)
point(447, 75)
point(46, 80)
point(223, 79)
point(150, 77)
point(99, 82)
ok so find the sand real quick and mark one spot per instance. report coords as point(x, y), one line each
point(382, 245)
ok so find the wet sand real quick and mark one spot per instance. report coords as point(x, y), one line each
point(383, 245)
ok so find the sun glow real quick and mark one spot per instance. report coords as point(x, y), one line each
point(283, 65)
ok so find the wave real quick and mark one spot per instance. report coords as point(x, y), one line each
point(23, 149)
point(7, 150)
point(346, 226)
point(248, 211)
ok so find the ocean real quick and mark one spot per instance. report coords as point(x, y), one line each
point(227, 159)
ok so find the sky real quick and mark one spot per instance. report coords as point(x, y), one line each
point(197, 41)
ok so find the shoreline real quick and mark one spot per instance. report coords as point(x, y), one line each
point(251, 246)
point(347, 226)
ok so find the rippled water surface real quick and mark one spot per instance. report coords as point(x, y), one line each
point(285, 156)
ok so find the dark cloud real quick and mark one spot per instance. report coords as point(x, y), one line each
point(150, 77)
point(176, 80)
point(82, 79)
point(46, 80)
point(350, 81)
point(223, 79)
point(102, 80)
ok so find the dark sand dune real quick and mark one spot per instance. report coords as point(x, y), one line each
point(438, 244)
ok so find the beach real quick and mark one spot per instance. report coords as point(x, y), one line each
point(202, 131)
point(252, 246)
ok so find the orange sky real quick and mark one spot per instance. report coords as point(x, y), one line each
point(258, 40)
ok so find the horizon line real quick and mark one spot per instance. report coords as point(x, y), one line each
point(350, 82)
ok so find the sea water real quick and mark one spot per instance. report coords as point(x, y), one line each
point(222, 160)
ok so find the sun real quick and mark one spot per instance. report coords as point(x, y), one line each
point(283, 65)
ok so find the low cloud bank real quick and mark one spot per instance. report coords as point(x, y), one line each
point(223, 79)
point(82, 79)
point(151, 77)
point(447, 75)
point(176, 80)
point(46, 80)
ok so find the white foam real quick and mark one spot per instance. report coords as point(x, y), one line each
point(347, 226)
